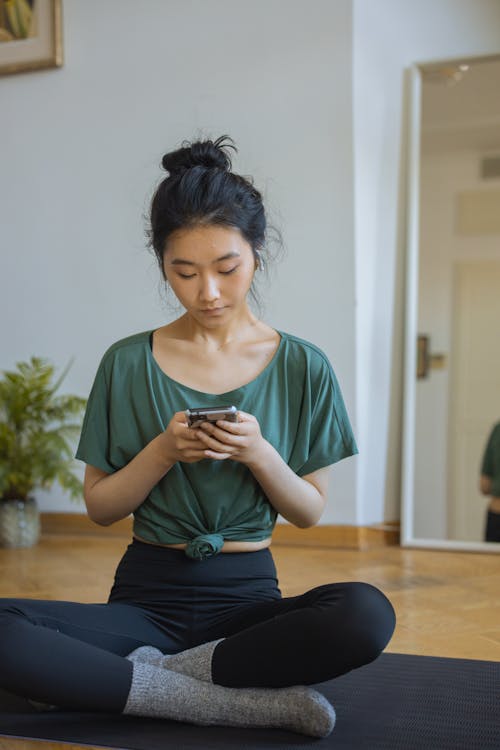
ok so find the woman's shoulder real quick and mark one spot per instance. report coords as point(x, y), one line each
point(305, 350)
point(128, 347)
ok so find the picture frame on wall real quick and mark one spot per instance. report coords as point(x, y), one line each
point(30, 35)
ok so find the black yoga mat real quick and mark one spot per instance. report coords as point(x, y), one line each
point(398, 702)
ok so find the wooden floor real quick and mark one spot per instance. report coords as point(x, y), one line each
point(447, 603)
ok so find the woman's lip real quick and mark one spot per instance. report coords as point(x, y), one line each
point(212, 310)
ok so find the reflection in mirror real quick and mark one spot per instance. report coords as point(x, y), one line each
point(452, 381)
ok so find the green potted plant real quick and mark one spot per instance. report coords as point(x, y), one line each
point(37, 428)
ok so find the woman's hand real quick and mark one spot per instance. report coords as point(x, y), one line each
point(242, 441)
point(181, 442)
point(298, 499)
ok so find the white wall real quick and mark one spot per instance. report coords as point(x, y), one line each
point(389, 36)
point(79, 157)
point(79, 154)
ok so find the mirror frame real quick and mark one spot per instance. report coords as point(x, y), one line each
point(414, 82)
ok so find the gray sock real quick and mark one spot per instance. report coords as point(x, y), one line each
point(148, 655)
point(194, 662)
point(159, 692)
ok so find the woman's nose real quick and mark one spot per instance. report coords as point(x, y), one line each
point(209, 289)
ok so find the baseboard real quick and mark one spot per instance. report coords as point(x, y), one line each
point(333, 536)
point(339, 537)
point(80, 523)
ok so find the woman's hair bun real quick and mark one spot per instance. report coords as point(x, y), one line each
point(208, 154)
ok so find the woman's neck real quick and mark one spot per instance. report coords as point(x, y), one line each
point(213, 338)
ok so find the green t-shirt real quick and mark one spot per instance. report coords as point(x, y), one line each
point(296, 400)
point(490, 466)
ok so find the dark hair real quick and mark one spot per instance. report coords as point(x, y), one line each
point(201, 189)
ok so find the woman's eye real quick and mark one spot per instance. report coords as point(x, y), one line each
point(186, 276)
point(231, 270)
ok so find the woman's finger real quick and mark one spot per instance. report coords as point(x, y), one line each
point(190, 434)
point(216, 455)
point(232, 427)
point(232, 434)
point(212, 442)
point(243, 416)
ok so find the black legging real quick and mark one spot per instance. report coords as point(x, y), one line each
point(492, 530)
point(71, 655)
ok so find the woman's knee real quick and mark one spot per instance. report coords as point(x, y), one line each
point(358, 613)
point(9, 625)
point(372, 618)
point(8, 611)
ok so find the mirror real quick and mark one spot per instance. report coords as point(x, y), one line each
point(452, 350)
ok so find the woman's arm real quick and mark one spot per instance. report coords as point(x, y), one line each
point(485, 484)
point(111, 497)
point(300, 500)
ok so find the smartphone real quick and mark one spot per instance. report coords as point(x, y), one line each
point(200, 414)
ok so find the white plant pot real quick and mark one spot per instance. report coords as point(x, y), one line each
point(19, 523)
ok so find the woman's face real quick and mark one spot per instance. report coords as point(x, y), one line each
point(210, 269)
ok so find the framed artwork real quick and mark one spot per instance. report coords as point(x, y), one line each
point(30, 35)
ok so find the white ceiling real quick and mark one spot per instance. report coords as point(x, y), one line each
point(461, 115)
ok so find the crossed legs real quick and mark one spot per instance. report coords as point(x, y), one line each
point(71, 655)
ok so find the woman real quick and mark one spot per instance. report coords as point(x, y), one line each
point(195, 628)
point(489, 484)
